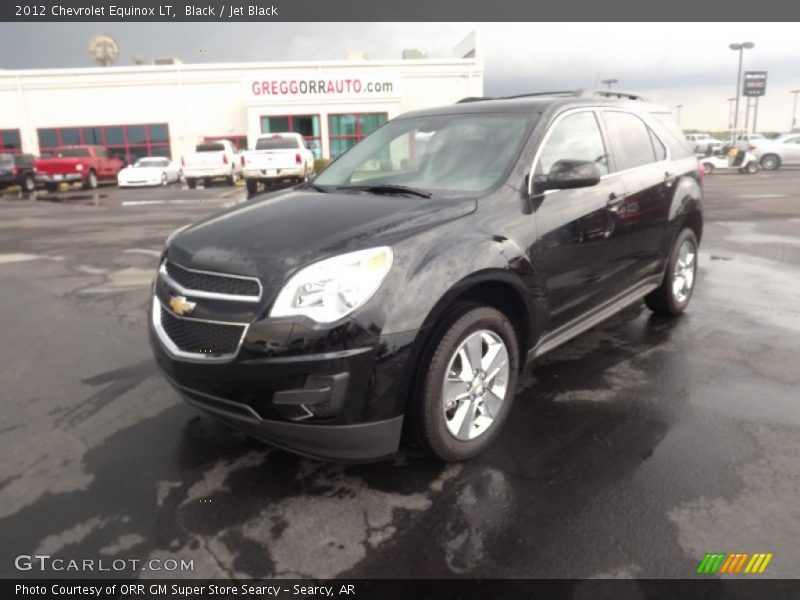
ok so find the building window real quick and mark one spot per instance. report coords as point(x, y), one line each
point(346, 130)
point(10, 141)
point(305, 125)
point(239, 141)
point(130, 142)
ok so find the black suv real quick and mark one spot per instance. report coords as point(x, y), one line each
point(17, 169)
point(402, 292)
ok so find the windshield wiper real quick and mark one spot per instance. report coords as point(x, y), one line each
point(386, 188)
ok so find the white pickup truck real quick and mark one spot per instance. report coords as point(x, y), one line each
point(277, 157)
point(211, 160)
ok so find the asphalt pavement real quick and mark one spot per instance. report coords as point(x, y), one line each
point(630, 452)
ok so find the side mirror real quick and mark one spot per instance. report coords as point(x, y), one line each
point(569, 174)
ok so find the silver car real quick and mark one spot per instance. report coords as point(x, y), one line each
point(784, 150)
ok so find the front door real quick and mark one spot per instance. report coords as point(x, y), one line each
point(579, 252)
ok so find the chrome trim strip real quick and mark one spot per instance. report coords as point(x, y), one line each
point(176, 352)
point(162, 271)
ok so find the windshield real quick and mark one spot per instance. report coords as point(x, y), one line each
point(151, 162)
point(73, 152)
point(442, 154)
point(277, 143)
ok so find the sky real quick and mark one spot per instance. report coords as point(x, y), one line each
point(672, 63)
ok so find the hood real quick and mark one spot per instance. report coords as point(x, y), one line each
point(141, 171)
point(272, 237)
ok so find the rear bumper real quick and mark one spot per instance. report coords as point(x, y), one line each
point(201, 173)
point(272, 173)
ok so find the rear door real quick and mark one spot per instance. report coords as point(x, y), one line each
point(641, 162)
point(579, 251)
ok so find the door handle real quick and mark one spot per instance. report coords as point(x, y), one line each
point(669, 178)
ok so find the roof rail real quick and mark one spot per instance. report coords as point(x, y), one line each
point(534, 94)
point(610, 93)
point(474, 99)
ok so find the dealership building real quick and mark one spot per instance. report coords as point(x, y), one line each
point(166, 109)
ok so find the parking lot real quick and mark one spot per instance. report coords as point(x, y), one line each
point(630, 452)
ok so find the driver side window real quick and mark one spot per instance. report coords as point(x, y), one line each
point(575, 137)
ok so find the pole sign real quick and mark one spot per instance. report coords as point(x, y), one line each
point(755, 83)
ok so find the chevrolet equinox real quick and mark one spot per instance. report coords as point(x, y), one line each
point(401, 292)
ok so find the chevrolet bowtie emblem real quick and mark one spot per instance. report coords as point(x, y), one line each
point(180, 305)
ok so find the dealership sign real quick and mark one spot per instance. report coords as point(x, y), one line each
point(321, 85)
point(755, 83)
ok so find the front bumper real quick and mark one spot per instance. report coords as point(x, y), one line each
point(58, 178)
point(333, 393)
point(145, 183)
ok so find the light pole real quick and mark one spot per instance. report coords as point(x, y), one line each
point(740, 48)
point(794, 110)
point(679, 107)
point(609, 82)
point(730, 112)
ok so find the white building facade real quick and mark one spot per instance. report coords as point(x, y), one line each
point(165, 110)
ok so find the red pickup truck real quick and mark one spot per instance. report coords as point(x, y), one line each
point(70, 164)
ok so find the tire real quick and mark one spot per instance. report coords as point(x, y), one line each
point(252, 186)
point(192, 183)
point(28, 184)
point(163, 180)
point(91, 181)
point(232, 179)
point(51, 187)
point(442, 426)
point(669, 299)
point(206, 183)
point(751, 168)
point(708, 168)
point(770, 162)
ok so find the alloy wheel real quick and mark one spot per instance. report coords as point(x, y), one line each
point(683, 275)
point(475, 384)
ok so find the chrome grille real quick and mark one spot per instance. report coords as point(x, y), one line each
point(201, 337)
point(212, 283)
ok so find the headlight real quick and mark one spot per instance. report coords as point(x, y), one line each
point(333, 288)
point(79, 167)
point(172, 235)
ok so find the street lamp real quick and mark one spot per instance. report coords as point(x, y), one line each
point(609, 82)
point(794, 110)
point(740, 48)
point(730, 112)
point(679, 107)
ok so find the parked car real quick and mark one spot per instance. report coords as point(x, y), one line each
point(212, 160)
point(784, 150)
point(85, 164)
point(277, 157)
point(153, 170)
point(703, 143)
point(17, 169)
point(405, 288)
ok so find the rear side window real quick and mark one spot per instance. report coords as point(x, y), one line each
point(214, 147)
point(277, 143)
point(658, 147)
point(575, 137)
point(629, 139)
point(672, 134)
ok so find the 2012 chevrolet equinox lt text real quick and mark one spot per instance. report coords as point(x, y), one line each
point(401, 292)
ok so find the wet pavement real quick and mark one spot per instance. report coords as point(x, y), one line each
point(630, 452)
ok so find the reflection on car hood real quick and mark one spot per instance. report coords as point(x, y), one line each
point(274, 236)
point(141, 171)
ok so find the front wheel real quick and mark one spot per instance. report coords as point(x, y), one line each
point(28, 184)
point(252, 186)
point(770, 162)
point(192, 183)
point(751, 168)
point(163, 180)
point(468, 385)
point(673, 296)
